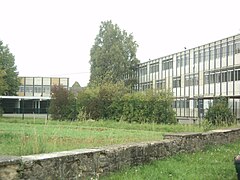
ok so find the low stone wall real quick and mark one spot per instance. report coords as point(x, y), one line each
point(92, 163)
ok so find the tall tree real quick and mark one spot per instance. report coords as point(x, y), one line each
point(9, 82)
point(113, 55)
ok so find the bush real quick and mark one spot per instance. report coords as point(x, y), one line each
point(147, 106)
point(95, 102)
point(219, 113)
point(62, 104)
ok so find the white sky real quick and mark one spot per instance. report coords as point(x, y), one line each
point(54, 37)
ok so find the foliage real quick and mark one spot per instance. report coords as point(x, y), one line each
point(113, 55)
point(96, 101)
point(219, 113)
point(9, 82)
point(62, 104)
point(145, 107)
point(114, 101)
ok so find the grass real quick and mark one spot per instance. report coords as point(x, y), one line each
point(34, 136)
point(212, 163)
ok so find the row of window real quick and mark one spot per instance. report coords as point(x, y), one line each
point(167, 64)
point(193, 79)
point(35, 89)
point(180, 103)
point(224, 76)
point(154, 68)
point(199, 56)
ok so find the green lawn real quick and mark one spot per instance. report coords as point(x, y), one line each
point(211, 164)
point(32, 136)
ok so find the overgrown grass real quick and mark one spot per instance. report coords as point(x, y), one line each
point(33, 136)
point(212, 163)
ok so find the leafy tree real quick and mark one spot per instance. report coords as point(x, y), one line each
point(9, 82)
point(219, 112)
point(113, 55)
point(76, 88)
point(63, 104)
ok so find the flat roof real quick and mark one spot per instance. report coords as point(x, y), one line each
point(25, 97)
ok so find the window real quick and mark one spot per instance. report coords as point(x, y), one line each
point(230, 76)
point(160, 84)
point(181, 103)
point(237, 75)
point(143, 71)
point(211, 53)
point(37, 89)
point(206, 78)
point(191, 80)
point(195, 57)
point(46, 89)
point(187, 59)
point(29, 89)
point(217, 50)
point(237, 47)
point(217, 77)
point(21, 88)
point(167, 64)
point(176, 82)
point(224, 76)
point(200, 56)
point(206, 55)
point(211, 77)
point(179, 61)
point(230, 49)
point(224, 50)
point(154, 68)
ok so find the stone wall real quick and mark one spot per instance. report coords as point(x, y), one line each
point(92, 163)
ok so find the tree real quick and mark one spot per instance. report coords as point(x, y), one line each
point(76, 88)
point(219, 112)
point(9, 82)
point(63, 104)
point(113, 55)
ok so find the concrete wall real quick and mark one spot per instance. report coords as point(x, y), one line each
point(92, 163)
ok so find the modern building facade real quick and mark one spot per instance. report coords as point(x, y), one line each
point(40, 86)
point(33, 96)
point(195, 76)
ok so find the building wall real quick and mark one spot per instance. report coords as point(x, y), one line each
point(40, 86)
point(196, 75)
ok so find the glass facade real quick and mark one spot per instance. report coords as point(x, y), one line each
point(196, 76)
point(40, 86)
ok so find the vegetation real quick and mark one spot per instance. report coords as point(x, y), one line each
point(62, 104)
point(212, 163)
point(33, 136)
point(9, 82)
point(113, 101)
point(219, 112)
point(146, 107)
point(113, 55)
point(95, 102)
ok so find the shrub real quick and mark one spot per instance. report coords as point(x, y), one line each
point(219, 113)
point(148, 107)
point(96, 101)
point(114, 101)
point(62, 104)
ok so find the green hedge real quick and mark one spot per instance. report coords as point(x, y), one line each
point(114, 101)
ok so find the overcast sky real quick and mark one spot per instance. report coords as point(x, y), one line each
point(54, 37)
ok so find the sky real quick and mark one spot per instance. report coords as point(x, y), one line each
point(52, 38)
